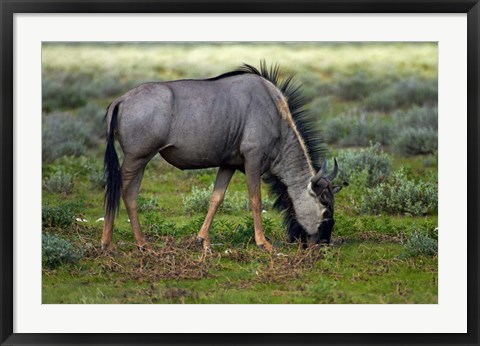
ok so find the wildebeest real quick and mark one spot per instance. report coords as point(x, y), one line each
point(246, 120)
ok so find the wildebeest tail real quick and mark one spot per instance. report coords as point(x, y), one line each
point(111, 164)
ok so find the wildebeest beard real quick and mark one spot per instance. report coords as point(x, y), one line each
point(326, 226)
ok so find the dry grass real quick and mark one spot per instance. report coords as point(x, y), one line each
point(184, 259)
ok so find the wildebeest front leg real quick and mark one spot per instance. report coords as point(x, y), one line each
point(221, 182)
point(254, 192)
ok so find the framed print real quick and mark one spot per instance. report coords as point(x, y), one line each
point(239, 173)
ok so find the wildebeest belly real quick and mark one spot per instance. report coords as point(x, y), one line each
point(186, 157)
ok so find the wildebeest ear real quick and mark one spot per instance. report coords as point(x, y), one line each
point(336, 189)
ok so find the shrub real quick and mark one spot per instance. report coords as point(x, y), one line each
point(60, 182)
point(356, 86)
point(420, 244)
point(418, 117)
point(419, 131)
point(320, 107)
point(92, 117)
point(381, 101)
point(62, 135)
point(62, 90)
point(353, 130)
point(399, 195)
point(372, 160)
point(192, 226)
point(244, 233)
point(61, 215)
point(311, 86)
point(157, 225)
point(198, 201)
point(77, 166)
point(417, 141)
point(406, 92)
point(97, 179)
point(57, 251)
point(147, 204)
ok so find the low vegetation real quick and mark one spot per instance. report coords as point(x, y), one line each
point(57, 251)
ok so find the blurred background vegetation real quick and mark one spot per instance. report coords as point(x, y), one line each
point(376, 104)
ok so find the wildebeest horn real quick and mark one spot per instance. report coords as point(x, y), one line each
point(320, 173)
point(332, 175)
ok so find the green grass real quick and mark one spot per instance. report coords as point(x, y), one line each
point(364, 272)
point(370, 261)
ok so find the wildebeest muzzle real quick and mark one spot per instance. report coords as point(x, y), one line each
point(324, 234)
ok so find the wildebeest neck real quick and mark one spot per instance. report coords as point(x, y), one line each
point(293, 170)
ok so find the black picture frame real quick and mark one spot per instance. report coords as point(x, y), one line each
point(9, 7)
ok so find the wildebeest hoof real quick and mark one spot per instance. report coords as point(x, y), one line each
point(208, 249)
point(265, 246)
point(143, 247)
point(205, 243)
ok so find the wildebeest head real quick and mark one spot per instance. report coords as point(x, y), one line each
point(321, 188)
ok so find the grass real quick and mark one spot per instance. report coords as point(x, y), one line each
point(366, 272)
point(384, 258)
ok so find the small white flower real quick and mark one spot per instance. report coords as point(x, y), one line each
point(100, 219)
point(264, 211)
point(79, 219)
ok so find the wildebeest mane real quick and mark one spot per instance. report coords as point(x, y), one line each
point(306, 126)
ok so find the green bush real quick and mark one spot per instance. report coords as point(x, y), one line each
point(80, 166)
point(64, 90)
point(61, 215)
point(420, 244)
point(97, 179)
point(356, 86)
point(358, 130)
point(373, 161)
point(156, 224)
point(92, 117)
point(320, 107)
point(60, 182)
point(404, 93)
point(57, 251)
point(418, 132)
point(198, 201)
point(147, 204)
point(417, 141)
point(383, 101)
point(399, 195)
point(62, 135)
point(312, 86)
point(417, 117)
point(242, 233)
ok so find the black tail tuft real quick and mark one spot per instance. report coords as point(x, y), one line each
point(112, 170)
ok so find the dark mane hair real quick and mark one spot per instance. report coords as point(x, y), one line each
point(306, 126)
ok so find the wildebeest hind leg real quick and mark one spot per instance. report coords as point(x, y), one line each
point(132, 174)
point(221, 182)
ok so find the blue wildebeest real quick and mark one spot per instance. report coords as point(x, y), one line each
point(244, 120)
